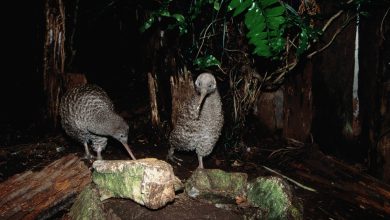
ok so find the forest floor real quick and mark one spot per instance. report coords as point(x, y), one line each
point(283, 156)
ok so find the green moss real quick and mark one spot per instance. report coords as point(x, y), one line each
point(295, 213)
point(216, 185)
point(87, 206)
point(121, 184)
point(269, 194)
point(200, 180)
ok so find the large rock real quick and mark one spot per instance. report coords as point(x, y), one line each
point(149, 182)
point(274, 196)
point(216, 185)
point(87, 205)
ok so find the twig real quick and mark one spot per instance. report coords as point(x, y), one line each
point(204, 35)
point(338, 31)
point(334, 17)
point(235, 50)
point(383, 20)
point(291, 180)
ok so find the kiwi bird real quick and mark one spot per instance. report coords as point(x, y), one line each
point(87, 115)
point(199, 121)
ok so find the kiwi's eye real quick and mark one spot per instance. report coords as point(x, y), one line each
point(210, 86)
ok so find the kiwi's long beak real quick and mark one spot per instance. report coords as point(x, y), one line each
point(129, 151)
point(203, 94)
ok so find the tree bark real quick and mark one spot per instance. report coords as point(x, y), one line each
point(344, 182)
point(298, 105)
point(152, 83)
point(54, 57)
point(40, 195)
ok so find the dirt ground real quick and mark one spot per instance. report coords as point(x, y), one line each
point(30, 152)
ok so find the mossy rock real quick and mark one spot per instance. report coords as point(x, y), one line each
point(149, 181)
point(216, 186)
point(274, 197)
point(87, 205)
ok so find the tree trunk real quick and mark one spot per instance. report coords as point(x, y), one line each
point(298, 105)
point(40, 195)
point(383, 142)
point(54, 57)
point(153, 89)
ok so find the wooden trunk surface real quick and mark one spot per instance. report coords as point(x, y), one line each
point(152, 83)
point(298, 105)
point(39, 195)
point(343, 181)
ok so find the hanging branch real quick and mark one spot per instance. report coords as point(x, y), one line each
point(383, 20)
point(338, 31)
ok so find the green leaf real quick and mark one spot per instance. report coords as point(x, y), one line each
point(255, 34)
point(276, 11)
point(217, 5)
point(253, 18)
point(303, 42)
point(148, 23)
point(259, 42)
point(234, 4)
point(263, 51)
point(245, 4)
point(278, 44)
point(179, 17)
point(163, 12)
point(206, 61)
point(258, 32)
point(266, 3)
point(275, 22)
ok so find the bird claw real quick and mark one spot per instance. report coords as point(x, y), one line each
point(88, 157)
point(175, 160)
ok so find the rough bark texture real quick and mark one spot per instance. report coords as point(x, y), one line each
point(298, 105)
point(375, 90)
point(333, 125)
point(342, 181)
point(39, 195)
point(152, 83)
point(182, 88)
point(269, 110)
point(54, 57)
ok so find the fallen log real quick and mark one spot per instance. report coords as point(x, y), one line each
point(40, 195)
point(343, 181)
